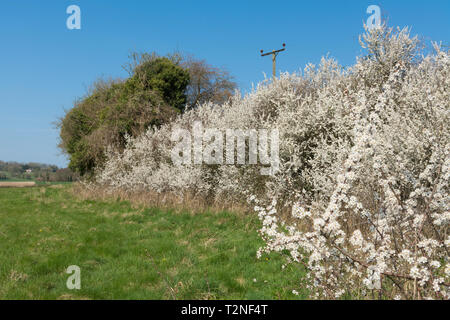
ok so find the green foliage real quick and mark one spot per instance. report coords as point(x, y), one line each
point(166, 78)
point(113, 110)
point(14, 171)
point(157, 89)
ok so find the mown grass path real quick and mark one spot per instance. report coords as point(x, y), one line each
point(126, 252)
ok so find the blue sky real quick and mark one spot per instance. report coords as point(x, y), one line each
point(44, 66)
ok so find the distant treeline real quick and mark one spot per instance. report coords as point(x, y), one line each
point(35, 171)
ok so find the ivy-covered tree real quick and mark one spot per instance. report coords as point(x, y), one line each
point(113, 110)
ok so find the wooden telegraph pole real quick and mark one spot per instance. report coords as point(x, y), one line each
point(274, 54)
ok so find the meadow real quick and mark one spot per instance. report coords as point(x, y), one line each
point(132, 252)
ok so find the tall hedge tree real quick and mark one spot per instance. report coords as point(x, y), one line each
point(154, 92)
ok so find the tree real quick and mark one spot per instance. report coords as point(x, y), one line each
point(207, 83)
point(165, 77)
point(156, 90)
point(115, 109)
point(63, 175)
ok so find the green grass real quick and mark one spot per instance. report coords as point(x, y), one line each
point(126, 252)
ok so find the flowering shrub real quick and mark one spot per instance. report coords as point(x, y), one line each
point(376, 221)
point(364, 169)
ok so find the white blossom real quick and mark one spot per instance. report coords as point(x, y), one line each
point(364, 169)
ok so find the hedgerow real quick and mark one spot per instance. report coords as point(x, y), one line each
point(364, 169)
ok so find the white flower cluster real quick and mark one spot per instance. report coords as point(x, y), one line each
point(364, 165)
point(377, 226)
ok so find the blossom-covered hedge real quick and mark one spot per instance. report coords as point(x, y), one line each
point(364, 167)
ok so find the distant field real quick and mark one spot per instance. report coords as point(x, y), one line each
point(11, 183)
point(14, 180)
point(16, 184)
point(131, 253)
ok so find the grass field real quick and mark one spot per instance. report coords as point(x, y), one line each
point(126, 252)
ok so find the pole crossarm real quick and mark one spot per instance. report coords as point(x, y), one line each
point(274, 54)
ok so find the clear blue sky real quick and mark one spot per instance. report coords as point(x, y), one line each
point(44, 66)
